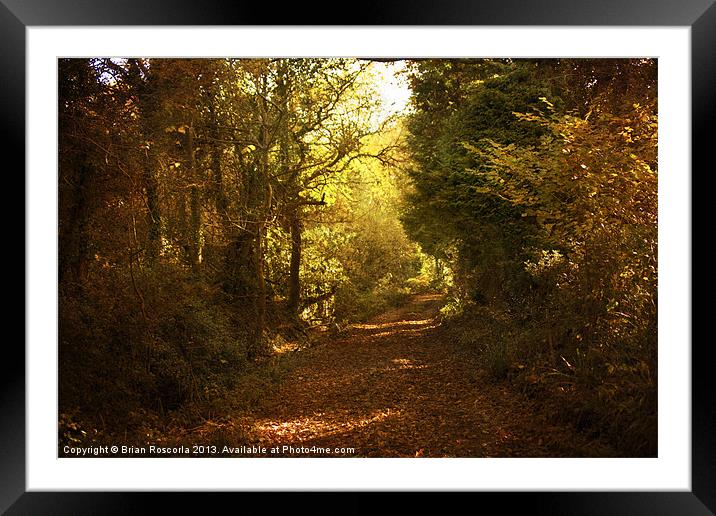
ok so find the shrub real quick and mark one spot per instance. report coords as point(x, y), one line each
point(127, 352)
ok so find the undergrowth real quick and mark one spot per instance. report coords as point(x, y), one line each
point(136, 363)
point(606, 393)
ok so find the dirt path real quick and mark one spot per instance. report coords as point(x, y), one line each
point(397, 387)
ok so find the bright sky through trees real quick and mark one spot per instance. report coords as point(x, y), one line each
point(392, 86)
point(459, 254)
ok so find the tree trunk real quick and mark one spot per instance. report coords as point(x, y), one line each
point(260, 302)
point(181, 224)
point(263, 198)
point(294, 281)
point(74, 249)
point(147, 108)
point(153, 216)
point(260, 283)
point(220, 201)
point(195, 206)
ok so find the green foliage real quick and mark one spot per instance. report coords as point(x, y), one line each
point(355, 247)
point(219, 205)
point(455, 307)
point(377, 258)
point(451, 211)
point(543, 199)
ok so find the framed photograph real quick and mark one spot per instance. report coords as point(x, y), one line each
point(416, 252)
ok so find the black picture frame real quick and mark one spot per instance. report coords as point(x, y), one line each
point(16, 15)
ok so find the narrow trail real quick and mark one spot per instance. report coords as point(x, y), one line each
point(397, 387)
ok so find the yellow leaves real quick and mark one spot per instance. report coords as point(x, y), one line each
point(174, 129)
point(480, 189)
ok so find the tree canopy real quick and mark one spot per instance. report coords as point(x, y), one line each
point(212, 210)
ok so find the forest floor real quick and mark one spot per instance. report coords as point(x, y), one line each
point(397, 386)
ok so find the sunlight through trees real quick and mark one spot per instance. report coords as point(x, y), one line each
point(216, 215)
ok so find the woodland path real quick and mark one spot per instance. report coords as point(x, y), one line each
point(398, 387)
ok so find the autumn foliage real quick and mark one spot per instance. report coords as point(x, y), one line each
point(218, 217)
point(548, 172)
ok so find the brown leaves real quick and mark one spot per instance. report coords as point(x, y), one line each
point(397, 387)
